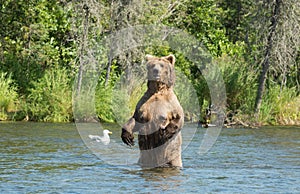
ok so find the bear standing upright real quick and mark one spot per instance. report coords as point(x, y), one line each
point(158, 117)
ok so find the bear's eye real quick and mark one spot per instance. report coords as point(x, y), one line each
point(161, 65)
point(150, 66)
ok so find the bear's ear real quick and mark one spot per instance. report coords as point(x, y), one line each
point(149, 57)
point(171, 59)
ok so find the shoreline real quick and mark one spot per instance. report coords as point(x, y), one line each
point(230, 125)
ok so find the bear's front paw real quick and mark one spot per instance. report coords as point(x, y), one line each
point(127, 137)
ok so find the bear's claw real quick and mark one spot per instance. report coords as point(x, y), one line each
point(127, 138)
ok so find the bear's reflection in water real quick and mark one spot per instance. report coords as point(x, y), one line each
point(163, 179)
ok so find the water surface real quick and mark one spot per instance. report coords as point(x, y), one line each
point(52, 158)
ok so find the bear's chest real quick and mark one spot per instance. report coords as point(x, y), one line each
point(156, 108)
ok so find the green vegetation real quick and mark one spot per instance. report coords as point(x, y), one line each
point(50, 98)
point(46, 45)
point(8, 97)
point(281, 106)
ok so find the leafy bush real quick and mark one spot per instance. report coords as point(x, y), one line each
point(8, 96)
point(103, 100)
point(187, 96)
point(125, 98)
point(240, 82)
point(23, 70)
point(50, 98)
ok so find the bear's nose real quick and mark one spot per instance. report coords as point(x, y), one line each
point(155, 71)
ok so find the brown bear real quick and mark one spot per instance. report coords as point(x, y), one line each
point(158, 117)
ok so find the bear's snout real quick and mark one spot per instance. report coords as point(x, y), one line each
point(155, 72)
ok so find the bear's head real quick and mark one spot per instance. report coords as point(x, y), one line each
point(161, 69)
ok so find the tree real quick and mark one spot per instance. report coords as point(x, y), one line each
point(280, 46)
point(267, 55)
point(34, 36)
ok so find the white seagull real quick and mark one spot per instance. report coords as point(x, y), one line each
point(105, 139)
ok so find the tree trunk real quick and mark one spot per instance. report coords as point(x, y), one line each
point(266, 61)
point(83, 44)
point(108, 69)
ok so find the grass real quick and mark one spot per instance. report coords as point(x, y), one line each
point(8, 96)
point(280, 106)
point(50, 98)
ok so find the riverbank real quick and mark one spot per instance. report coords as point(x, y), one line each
point(50, 100)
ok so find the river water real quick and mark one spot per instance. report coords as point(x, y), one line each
point(52, 158)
